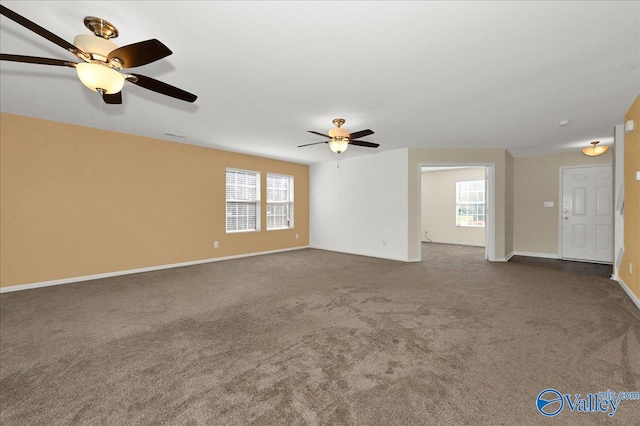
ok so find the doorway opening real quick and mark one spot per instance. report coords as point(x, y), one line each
point(457, 207)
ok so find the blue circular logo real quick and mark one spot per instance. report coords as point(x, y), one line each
point(549, 402)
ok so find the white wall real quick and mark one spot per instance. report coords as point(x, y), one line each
point(618, 218)
point(360, 205)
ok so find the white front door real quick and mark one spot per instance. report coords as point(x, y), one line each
point(587, 214)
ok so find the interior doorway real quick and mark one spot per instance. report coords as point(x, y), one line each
point(457, 206)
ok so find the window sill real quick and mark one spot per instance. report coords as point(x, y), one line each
point(243, 232)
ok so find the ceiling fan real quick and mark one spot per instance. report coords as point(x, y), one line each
point(340, 138)
point(102, 59)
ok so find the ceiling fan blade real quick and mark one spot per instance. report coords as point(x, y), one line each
point(309, 144)
point(113, 99)
point(364, 143)
point(36, 60)
point(141, 53)
point(360, 134)
point(160, 87)
point(319, 134)
point(41, 31)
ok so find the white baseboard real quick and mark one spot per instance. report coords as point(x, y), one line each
point(501, 259)
point(627, 290)
point(531, 254)
point(136, 271)
point(453, 243)
point(377, 256)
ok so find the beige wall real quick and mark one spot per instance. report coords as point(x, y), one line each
point(438, 207)
point(448, 156)
point(632, 203)
point(509, 202)
point(78, 201)
point(537, 179)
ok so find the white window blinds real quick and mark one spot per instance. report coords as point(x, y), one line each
point(470, 203)
point(243, 200)
point(279, 201)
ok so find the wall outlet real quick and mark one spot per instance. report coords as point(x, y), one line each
point(215, 244)
point(297, 236)
point(549, 204)
point(384, 243)
point(630, 268)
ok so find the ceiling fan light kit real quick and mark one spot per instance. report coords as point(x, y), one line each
point(338, 145)
point(595, 150)
point(100, 78)
point(102, 59)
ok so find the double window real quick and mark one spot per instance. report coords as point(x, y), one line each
point(470, 203)
point(243, 201)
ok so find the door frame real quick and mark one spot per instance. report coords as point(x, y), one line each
point(490, 205)
point(561, 206)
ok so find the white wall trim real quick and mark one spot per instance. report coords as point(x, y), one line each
point(532, 254)
point(618, 192)
point(136, 271)
point(627, 290)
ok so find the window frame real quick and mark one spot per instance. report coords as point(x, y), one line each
point(290, 203)
point(482, 203)
point(255, 201)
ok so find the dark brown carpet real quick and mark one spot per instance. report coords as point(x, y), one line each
point(315, 337)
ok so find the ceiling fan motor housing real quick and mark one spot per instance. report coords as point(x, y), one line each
point(339, 132)
point(98, 47)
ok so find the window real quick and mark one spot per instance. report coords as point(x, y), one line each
point(243, 200)
point(470, 203)
point(279, 201)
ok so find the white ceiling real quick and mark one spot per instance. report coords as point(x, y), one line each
point(420, 74)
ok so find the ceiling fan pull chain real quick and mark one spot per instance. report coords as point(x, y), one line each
point(100, 93)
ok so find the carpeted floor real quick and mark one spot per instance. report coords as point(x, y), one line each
point(315, 337)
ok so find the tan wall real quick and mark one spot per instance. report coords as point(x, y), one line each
point(537, 179)
point(449, 156)
point(77, 201)
point(438, 207)
point(632, 202)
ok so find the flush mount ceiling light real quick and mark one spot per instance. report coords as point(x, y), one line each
point(595, 150)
